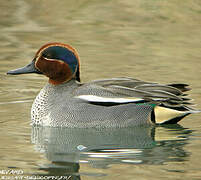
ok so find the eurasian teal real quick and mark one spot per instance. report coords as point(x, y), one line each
point(115, 102)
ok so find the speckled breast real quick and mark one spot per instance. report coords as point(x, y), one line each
point(40, 108)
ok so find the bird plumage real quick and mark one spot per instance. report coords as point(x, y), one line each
point(115, 102)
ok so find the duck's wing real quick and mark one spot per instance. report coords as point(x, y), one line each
point(132, 83)
point(128, 90)
point(168, 101)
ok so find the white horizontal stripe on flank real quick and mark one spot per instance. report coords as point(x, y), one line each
point(92, 98)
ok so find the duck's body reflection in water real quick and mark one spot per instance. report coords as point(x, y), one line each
point(67, 147)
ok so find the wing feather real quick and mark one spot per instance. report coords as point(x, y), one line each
point(129, 90)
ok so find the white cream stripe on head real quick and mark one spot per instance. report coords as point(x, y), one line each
point(92, 98)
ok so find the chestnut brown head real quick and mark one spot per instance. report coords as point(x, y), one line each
point(60, 62)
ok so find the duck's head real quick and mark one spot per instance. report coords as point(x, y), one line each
point(60, 62)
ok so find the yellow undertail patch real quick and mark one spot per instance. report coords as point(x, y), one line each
point(163, 114)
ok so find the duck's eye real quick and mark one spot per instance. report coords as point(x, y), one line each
point(47, 55)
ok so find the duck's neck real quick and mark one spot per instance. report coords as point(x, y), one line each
point(63, 79)
point(64, 86)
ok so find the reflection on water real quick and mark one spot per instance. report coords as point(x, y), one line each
point(66, 148)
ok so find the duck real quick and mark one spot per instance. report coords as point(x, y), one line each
point(106, 103)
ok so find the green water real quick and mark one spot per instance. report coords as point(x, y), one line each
point(156, 40)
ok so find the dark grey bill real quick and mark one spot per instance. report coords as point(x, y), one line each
point(30, 68)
